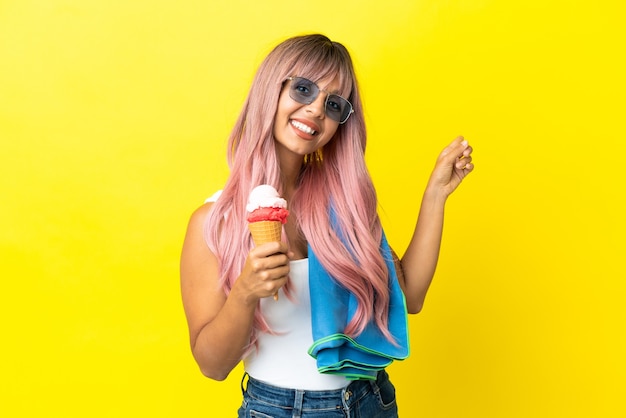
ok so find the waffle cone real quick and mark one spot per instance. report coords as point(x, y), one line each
point(265, 231)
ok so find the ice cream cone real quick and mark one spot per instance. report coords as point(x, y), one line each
point(265, 231)
point(267, 213)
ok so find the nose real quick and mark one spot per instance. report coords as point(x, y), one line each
point(318, 107)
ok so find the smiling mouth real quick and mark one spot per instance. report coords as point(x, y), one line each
point(302, 127)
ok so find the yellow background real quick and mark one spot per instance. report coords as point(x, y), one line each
point(113, 122)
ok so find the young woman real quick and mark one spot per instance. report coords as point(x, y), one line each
point(320, 348)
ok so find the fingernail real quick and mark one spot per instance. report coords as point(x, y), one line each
point(464, 143)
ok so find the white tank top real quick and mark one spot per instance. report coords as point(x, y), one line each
point(282, 360)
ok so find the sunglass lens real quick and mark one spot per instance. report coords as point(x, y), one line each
point(303, 91)
point(338, 108)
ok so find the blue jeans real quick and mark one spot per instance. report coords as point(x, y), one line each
point(360, 399)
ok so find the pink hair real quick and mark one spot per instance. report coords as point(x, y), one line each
point(334, 176)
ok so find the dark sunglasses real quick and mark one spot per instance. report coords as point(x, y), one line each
point(305, 91)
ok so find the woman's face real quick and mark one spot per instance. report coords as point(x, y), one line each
point(302, 129)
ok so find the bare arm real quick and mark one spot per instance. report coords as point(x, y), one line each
point(220, 326)
point(420, 260)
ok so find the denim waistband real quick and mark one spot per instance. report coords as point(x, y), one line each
point(311, 399)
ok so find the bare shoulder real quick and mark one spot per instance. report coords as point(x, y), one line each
point(198, 216)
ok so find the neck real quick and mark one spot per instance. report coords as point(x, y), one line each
point(289, 176)
point(290, 166)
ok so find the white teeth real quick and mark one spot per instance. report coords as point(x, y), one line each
point(302, 127)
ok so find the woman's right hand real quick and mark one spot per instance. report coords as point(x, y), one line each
point(265, 271)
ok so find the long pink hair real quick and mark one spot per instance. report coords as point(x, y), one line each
point(335, 176)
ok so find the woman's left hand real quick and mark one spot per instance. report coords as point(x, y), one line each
point(453, 164)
